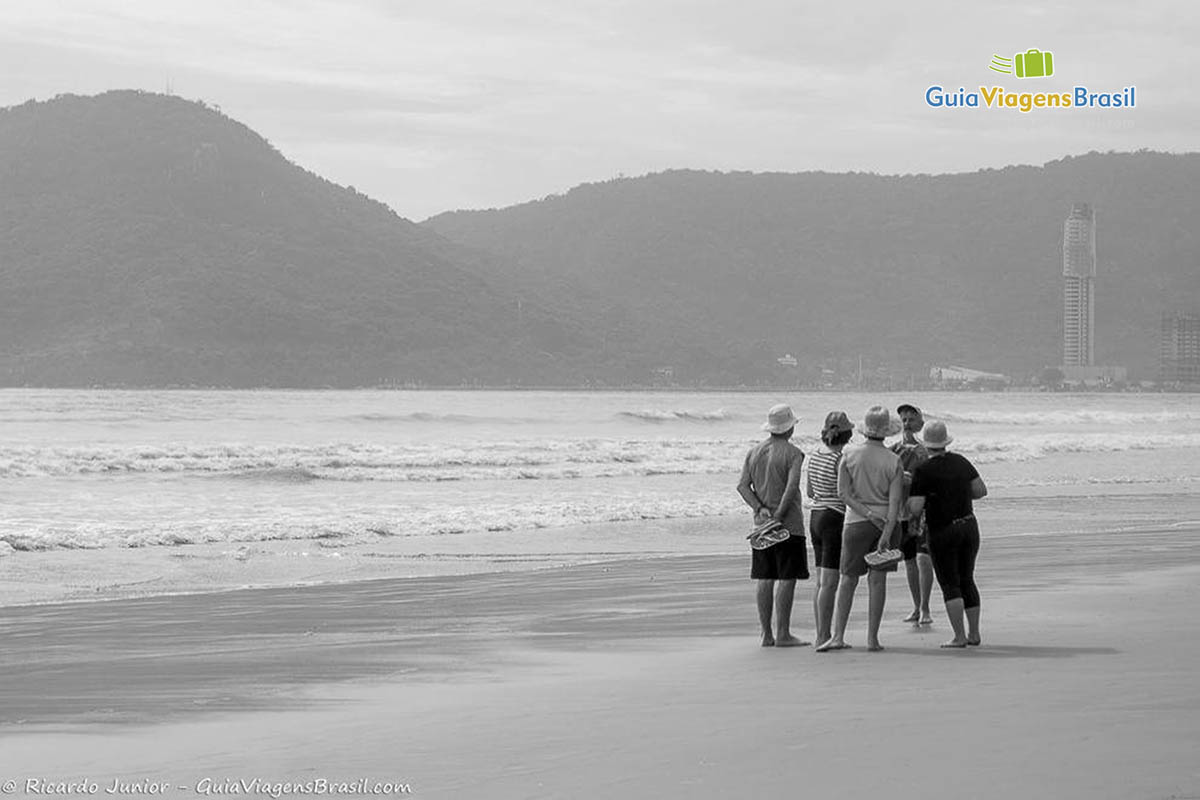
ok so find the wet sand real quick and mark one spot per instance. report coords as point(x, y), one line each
point(628, 679)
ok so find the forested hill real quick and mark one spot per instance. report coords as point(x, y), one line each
point(908, 270)
point(149, 240)
point(146, 240)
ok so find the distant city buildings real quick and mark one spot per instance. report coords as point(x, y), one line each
point(951, 376)
point(1179, 349)
point(1079, 286)
point(664, 373)
point(1094, 376)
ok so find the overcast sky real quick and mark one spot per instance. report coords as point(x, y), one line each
point(436, 105)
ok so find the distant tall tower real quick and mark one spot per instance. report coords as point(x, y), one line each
point(1079, 286)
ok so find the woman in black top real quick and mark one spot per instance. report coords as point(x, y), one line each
point(945, 486)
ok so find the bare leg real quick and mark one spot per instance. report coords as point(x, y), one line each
point(785, 593)
point(925, 568)
point(825, 595)
point(766, 602)
point(817, 604)
point(913, 573)
point(841, 615)
point(954, 610)
point(877, 594)
point(973, 626)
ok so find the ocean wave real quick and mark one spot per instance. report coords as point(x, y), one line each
point(429, 416)
point(336, 532)
point(1066, 417)
point(1111, 480)
point(542, 459)
point(657, 416)
point(987, 450)
point(278, 475)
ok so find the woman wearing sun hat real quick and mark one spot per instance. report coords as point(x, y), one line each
point(871, 482)
point(945, 486)
point(828, 516)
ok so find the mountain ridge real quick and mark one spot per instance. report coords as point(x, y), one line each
point(912, 269)
point(147, 240)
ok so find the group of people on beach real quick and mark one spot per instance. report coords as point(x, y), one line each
point(871, 506)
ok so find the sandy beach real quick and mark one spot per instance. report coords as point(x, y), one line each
point(627, 679)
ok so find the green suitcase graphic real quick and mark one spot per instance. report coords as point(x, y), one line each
point(1034, 64)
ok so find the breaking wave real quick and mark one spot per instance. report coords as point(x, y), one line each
point(1067, 417)
point(332, 531)
point(428, 416)
point(658, 416)
point(548, 459)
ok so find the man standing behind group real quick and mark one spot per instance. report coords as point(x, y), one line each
point(870, 481)
point(770, 485)
point(918, 566)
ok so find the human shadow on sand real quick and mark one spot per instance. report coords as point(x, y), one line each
point(1006, 651)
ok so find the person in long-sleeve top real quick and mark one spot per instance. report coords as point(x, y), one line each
point(770, 485)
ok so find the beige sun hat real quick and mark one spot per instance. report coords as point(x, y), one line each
point(936, 437)
point(879, 423)
point(780, 419)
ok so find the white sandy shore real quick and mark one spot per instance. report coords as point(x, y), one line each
point(637, 679)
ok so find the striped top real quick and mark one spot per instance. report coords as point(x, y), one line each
point(822, 480)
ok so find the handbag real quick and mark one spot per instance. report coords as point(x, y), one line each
point(768, 534)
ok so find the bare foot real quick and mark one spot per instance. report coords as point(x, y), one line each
point(974, 642)
point(768, 640)
point(833, 644)
point(874, 647)
point(926, 619)
point(913, 617)
point(955, 643)
point(790, 641)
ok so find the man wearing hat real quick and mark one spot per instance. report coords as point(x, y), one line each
point(770, 485)
point(918, 566)
point(870, 481)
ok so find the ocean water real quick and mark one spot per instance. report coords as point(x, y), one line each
point(494, 477)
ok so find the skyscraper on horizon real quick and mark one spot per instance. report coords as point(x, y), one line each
point(1079, 286)
point(1179, 350)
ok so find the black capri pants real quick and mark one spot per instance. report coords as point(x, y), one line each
point(825, 529)
point(954, 548)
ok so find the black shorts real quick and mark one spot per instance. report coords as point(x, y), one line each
point(911, 545)
point(786, 561)
point(826, 531)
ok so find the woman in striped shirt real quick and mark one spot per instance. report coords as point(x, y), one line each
point(828, 514)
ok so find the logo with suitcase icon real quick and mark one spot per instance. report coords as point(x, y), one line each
point(1032, 63)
